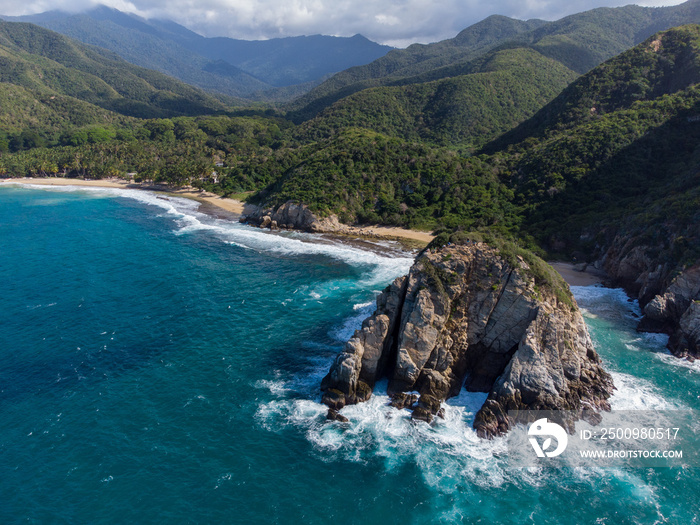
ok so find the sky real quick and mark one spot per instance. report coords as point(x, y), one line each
point(393, 22)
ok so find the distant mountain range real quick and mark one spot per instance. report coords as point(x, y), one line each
point(49, 81)
point(462, 92)
point(278, 68)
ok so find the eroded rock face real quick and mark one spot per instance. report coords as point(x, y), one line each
point(464, 317)
point(555, 367)
point(666, 300)
point(634, 267)
point(690, 329)
point(365, 356)
point(292, 216)
point(677, 312)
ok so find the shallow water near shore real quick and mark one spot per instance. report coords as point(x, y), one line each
point(159, 364)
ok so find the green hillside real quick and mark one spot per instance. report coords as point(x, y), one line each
point(617, 150)
point(367, 177)
point(48, 63)
point(644, 73)
point(414, 60)
point(465, 111)
point(24, 109)
point(579, 42)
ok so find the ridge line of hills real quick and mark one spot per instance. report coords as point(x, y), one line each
point(272, 69)
point(579, 42)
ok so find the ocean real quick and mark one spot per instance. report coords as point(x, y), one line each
point(160, 364)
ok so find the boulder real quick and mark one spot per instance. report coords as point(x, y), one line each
point(403, 400)
point(293, 216)
point(334, 399)
point(334, 415)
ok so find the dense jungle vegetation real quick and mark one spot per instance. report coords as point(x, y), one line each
point(617, 146)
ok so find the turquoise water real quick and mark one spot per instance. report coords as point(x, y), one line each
point(162, 365)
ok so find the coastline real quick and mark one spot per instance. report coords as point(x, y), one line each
point(573, 275)
point(277, 396)
point(229, 205)
point(578, 277)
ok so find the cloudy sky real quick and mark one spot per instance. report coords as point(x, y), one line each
point(394, 22)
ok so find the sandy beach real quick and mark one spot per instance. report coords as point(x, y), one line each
point(575, 277)
point(389, 232)
point(229, 205)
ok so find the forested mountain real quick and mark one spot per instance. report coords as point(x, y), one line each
point(616, 153)
point(293, 60)
point(579, 42)
point(234, 67)
point(150, 47)
point(500, 90)
point(50, 64)
point(414, 60)
point(617, 145)
point(44, 111)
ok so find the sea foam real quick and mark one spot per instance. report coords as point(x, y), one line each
point(382, 268)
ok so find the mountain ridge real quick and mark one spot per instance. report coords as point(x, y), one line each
point(580, 42)
point(254, 66)
point(464, 111)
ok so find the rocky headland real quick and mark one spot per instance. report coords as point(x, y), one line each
point(468, 316)
point(292, 216)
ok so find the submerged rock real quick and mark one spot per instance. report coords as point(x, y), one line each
point(334, 415)
point(466, 317)
point(403, 400)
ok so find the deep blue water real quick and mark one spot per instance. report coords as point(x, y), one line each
point(159, 365)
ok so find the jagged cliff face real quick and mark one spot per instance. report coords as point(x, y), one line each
point(464, 317)
point(676, 310)
point(670, 299)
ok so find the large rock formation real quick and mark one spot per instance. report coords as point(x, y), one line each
point(294, 217)
point(669, 296)
point(677, 311)
point(464, 317)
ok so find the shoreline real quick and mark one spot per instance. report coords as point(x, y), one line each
point(375, 232)
point(570, 272)
point(230, 205)
point(364, 235)
point(411, 240)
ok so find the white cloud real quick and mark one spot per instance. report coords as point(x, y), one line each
point(397, 22)
point(387, 20)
